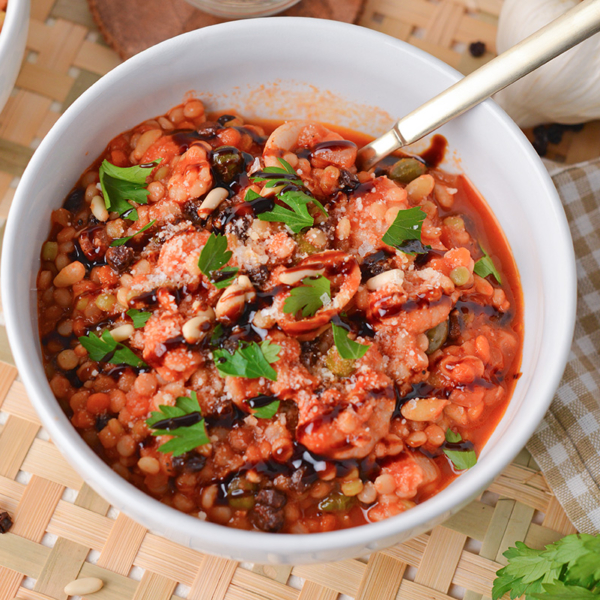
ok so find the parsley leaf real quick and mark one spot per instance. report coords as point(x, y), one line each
point(452, 437)
point(309, 297)
point(249, 360)
point(569, 569)
point(139, 317)
point(217, 334)
point(296, 217)
point(485, 266)
point(406, 227)
point(266, 412)
point(347, 348)
point(120, 184)
point(186, 436)
point(122, 241)
point(228, 273)
point(461, 459)
point(276, 176)
point(560, 591)
point(213, 257)
point(106, 349)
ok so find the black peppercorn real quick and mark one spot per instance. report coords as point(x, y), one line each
point(5, 522)
point(477, 49)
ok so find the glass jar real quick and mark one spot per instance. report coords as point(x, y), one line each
point(242, 9)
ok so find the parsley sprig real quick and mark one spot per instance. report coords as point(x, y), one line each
point(461, 459)
point(485, 266)
point(250, 360)
point(347, 348)
point(405, 232)
point(139, 317)
point(183, 421)
point(122, 241)
point(569, 569)
point(121, 184)
point(309, 297)
point(212, 261)
point(296, 216)
point(106, 349)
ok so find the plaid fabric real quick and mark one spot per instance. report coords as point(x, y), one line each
point(567, 443)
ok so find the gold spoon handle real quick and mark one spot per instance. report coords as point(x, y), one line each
point(568, 30)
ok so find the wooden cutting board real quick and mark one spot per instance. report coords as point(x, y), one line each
point(131, 26)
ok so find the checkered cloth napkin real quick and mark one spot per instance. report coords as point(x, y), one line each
point(566, 445)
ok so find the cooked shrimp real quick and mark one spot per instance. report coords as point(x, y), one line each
point(164, 326)
point(295, 135)
point(343, 272)
point(191, 176)
point(347, 425)
point(411, 472)
point(371, 209)
point(408, 362)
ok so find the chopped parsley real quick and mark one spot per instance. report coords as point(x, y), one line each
point(461, 459)
point(347, 348)
point(296, 216)
point(309, 297)
point(568, 569)
point(264, 411)
point(485, 266)
point(213, 258)
point(183, 421)
point(405, 232)
point(139, 317)
point(106, 349)
point(250, 360)
point(122, 241)
point(121, 184)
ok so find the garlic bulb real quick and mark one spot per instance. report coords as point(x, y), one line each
point(567, 89)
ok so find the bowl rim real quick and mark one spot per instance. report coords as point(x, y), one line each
point(15, 11)
point(112, 486)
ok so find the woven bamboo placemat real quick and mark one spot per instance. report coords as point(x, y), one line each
point(62, 528)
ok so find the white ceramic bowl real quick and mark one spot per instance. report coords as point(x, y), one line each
point(230, 61)
point(12, 45)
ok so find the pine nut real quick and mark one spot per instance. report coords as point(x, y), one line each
point(263, 319)
point(99, 208)
point(195, 329)
point(72, 273)
point(392, 277)
point(444, 195)
point(213, 200)
point(122, 333)
point(231, 304)
point(84, 586)
point(145, 141)
point(267, 192)
point(292, 277)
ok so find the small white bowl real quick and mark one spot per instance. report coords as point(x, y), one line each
point(299, 58)
point(12, 45)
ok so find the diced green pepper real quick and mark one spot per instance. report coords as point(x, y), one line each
point(437, 336)
point(342, 367)
point(337, 502)
point(406, 169)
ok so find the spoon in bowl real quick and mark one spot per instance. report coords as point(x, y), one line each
point(575, 26)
